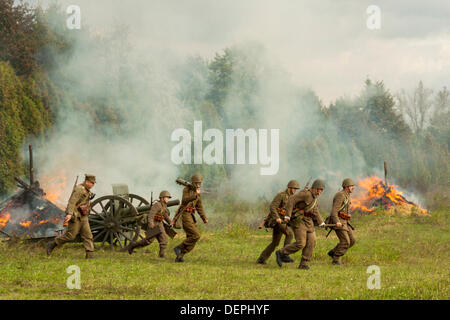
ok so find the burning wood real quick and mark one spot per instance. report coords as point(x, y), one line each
point(372, 193)
point(29, 213)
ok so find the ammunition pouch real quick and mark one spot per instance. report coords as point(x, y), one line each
point(84, 209)
point(158, 217)
point(281, 212)
point(190, 209)
point(344, 215)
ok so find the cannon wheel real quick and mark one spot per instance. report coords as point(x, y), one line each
point(109, 224)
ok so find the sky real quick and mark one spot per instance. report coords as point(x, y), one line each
point(324, 45)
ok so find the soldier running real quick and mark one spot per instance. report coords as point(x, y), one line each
point(190, 202)
point(302, 213)
point(340, 216)
point(77, 212)
point(158, 213)
point(275, 220)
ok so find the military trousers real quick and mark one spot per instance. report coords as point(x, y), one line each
point(192, 234)
point(277, 234)
point(162, 238)
point(346, 241)
point(78, 225)
point(305, 240)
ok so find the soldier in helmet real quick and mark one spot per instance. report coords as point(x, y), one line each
point(302, 213)
point(275, 220)
point(157, 214)
point(340, 216)
point(77, 212)
point(190, 202)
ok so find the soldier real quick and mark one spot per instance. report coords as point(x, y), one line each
point(157, 214)
point(77, 212)
point(190, 202)
point(275, 220)
point(302, 213)
point(341, 217)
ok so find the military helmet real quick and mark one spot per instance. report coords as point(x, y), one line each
point(347, 183)
point(318, 184)
point(197, 177)
point(165, 193)
point(89, 177)
point(293, 184)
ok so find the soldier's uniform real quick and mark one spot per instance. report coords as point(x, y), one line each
point(158, 213)
point(340, 213)
point(191, 202)
point(303, 214)
point(277, 208)
point(79, 207)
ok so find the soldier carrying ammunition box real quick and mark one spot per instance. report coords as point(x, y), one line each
point(190, 202)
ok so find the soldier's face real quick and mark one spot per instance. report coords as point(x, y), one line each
point(165, 199)
point(291, 190)
point(317, 192)
point(350, 189)
point(88, 184)
point(197, 184)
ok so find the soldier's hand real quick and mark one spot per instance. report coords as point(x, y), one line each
point(339, 224)
point(67, 218)
point(171, 224)
point(205, 221)
point(198, 191)
point(322, 225)
point(278, 220)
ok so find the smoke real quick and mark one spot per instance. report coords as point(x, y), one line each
point(136, 71)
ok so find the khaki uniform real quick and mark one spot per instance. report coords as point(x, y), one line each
point(302, 220)
point(79, 223)
point(341, 203)
point(157, 214)
point(190, 201)
point(278, 203)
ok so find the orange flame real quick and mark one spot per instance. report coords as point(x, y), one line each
point(4, 218)
point(54, 187)
point(371, 192)
point(25, 224)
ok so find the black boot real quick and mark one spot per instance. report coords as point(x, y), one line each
point(287, 259)
point(179, 257)
point(261, 261)
point(279, 258)
point(303, 266)
point(89, 255)
point(50, 246)
point(133, 245)
point(331, 253)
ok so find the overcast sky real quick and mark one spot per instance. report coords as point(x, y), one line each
point(325, 45)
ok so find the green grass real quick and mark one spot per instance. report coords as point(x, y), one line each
point(412, 253)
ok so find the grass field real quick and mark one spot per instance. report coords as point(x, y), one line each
point(412, 253)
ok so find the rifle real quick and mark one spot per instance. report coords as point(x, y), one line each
point(307, 183)
point(333, 225)
point(185, 183)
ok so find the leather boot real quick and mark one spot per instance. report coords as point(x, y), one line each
point(89, 255)
point(133, 245)
point(50, 246)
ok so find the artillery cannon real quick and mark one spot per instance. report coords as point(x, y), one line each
point(119, 218)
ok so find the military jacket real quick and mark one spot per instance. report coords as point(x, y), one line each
point(191, 199)
point(80, 196)
point(341, 203)
point(303, 207)
point(159, 208)
point(278, 203)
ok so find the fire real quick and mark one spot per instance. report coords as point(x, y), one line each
point(4, 218)
point(25, 224)
point(372, 192)
point(54, 187)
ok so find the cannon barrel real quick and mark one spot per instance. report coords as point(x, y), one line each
point(170, 203)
